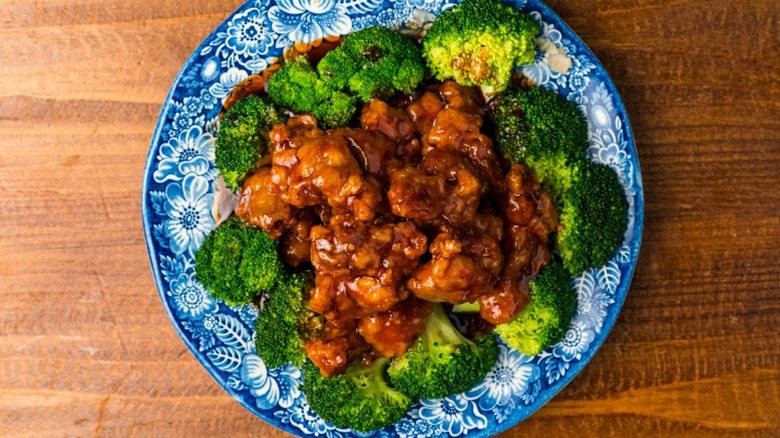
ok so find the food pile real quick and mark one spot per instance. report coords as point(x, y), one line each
point(390, 193)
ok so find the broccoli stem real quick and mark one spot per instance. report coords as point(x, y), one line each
point(439, 330)
point(466, 308)
point(370, 380)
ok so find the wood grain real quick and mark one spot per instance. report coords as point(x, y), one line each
point(87, 350)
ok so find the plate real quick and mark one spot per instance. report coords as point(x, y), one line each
point(178, 195)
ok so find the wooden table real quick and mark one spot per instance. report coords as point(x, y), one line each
point(86, 348)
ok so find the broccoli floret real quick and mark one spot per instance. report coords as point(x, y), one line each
point(593, 218)
point(442, 361)
point(359, 399)
point(237, 262)
point(243, 138)
point(550, 134)
point(375, 62)
point(297, 86)
point(480, 42)
point(545, 319)
point(285, 323)
point(543, 130)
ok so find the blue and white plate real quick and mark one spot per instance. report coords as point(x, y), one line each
point(178, 195)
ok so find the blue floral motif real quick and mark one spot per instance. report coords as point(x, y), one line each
point(578, 80)
point(288, 378)
point(172, 267)
point(202, 331)
point(357, 7)
point(207, 99)
point(600, 109)
point(576, 342)
point(227, 359)
point(191, 152)
point(539, 71)
point(611, 155)
point(209, 71)
point(178, 197)
point(304, 419)
point(188, 206)
point(555, 367)
point(395, 17)
point(364, 22)
point(513, 376)
point(624, 254)
point(608, 277)
point(227, 80)
point(592, 305)
point(190, 298)
point(277, 386)
point(183, 120)
point(455, 415)
point(248, 33)
point(419, 3)
point(248, 313)
point(309, 20)
point(247, 42)
point(414, 427)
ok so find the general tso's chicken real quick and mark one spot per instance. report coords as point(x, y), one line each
point(461, 97)
point(391, 333)
point(442, 187)
point(374, 152)
point(295, 246)
point(390, 121)
point(258, 207)
point(371, 260)
point(322, 169)
point(423, 111)
point(531, 218)
point(463, 267)
point(460, 131)
point(285, 136)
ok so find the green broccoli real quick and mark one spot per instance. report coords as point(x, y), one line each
point(442, 362)
point(243, 138)
point(593, 218)
point(480, 42)
point(373, 62)
point(237, 262)
point(297, 86)
point(359, 399)
point(546, 318)
point(285, 324)
point(550, 134)
point(543, 130)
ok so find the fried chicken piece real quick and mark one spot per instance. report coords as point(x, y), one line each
point(295, 246)
point(423, 111)
point(258, 207)
point(531, 217)
point(461, 97)
point(285, 136)
point(372, 260)
point(460, 131)
point(392, 122)
point(374, 152)
point(322, 169)
point(463, 267)
point(330, 356)
point(442, 188)
point(392, 332)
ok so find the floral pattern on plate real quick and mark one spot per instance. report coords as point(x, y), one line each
point(178, 195)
